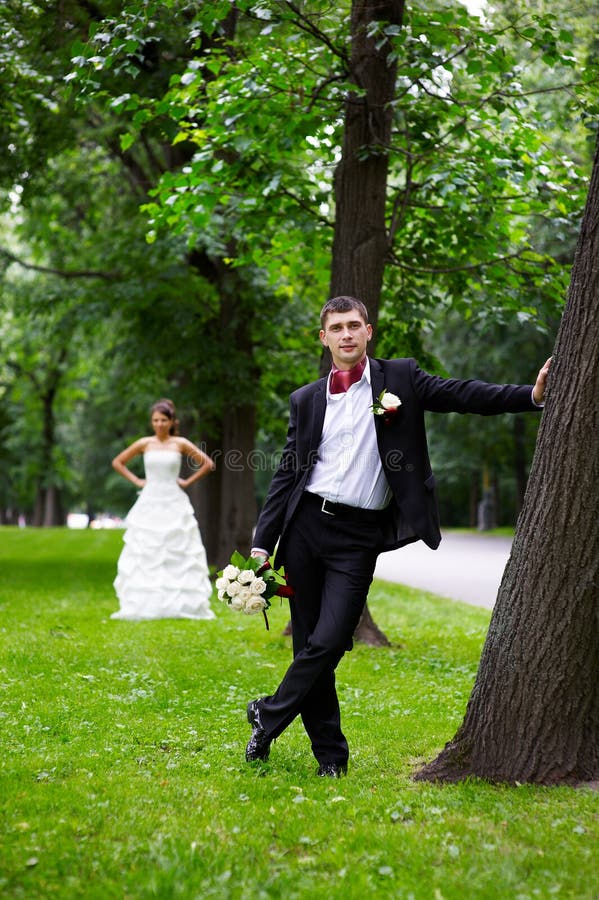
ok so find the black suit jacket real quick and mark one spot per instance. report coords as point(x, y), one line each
point(413, 512)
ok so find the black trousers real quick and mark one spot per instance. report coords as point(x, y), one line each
point(330, 562)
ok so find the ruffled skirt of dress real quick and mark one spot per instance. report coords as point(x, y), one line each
point(162, 570)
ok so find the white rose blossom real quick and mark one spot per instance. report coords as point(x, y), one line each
point(254, 605)
point(230, 572)
point(246, 576)
point(233, 588)
point(221, 584)
point(222, 595)
point(243, 594)
point(236, 603)
point(258, 586)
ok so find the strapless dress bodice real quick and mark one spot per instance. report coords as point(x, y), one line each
point(162, 465)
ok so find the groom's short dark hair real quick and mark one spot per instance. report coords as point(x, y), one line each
point(342, 304)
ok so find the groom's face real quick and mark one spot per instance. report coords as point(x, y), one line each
point(346, 334)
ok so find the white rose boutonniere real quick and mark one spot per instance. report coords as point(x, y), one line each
point(247, 585)
point(386, 405)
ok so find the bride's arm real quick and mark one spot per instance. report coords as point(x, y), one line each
point(118, 463)
point(201, 463)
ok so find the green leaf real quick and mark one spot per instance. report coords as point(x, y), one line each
point(237, 559)
point(127, 140)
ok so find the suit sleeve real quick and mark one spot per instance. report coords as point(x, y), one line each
point(272, 516)
point(452, 395)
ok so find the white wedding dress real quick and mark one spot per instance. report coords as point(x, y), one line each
point(162, 570)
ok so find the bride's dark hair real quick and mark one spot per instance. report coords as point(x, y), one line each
point(167, 408)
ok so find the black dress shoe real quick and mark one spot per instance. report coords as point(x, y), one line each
point(332, 770)
point(259, 744)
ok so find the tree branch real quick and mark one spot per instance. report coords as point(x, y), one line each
point(24, 373)
point(443, 270)
point(62, 273)
point(304, 24)
point(548, 90)
point(305, 206)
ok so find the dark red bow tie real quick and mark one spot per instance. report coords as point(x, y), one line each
point(342, 379)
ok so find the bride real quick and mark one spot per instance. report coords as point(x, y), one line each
point(162, 570)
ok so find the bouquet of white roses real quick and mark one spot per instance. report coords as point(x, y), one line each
point(247, 584)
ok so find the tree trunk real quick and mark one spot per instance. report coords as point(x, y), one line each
point(520, 459)
point(205, 499)
point(37, 517)
point(533, 715)
point(225, 502)
point(360, 237)
point(53, 508)
point(48, 504)
point(5, 516)
point(496, 499)
point(238, 499)
point(368, 632)
point(473, 498)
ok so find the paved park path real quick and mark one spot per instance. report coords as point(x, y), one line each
point(467, 566)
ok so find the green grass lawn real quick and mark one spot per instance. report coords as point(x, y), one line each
point(123, 772)
point(507, 531)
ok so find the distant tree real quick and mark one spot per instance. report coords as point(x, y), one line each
point(533, 715)
point(38, 355)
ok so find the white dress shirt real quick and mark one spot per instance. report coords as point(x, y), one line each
point(348, 467)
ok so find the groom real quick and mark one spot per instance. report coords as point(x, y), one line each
point(354, 480)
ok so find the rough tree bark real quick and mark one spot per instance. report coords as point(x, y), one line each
point(360, 238)
point(520, 462)
point(533, 715)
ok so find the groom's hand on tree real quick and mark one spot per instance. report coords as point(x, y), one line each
point(538, 392)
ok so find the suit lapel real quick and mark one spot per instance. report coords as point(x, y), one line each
point(377, 379)
point(377, 383)
point(319, 407)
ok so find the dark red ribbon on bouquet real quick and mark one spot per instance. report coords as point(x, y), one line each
point(283, 590)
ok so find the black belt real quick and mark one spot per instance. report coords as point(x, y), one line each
point(341, 510)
